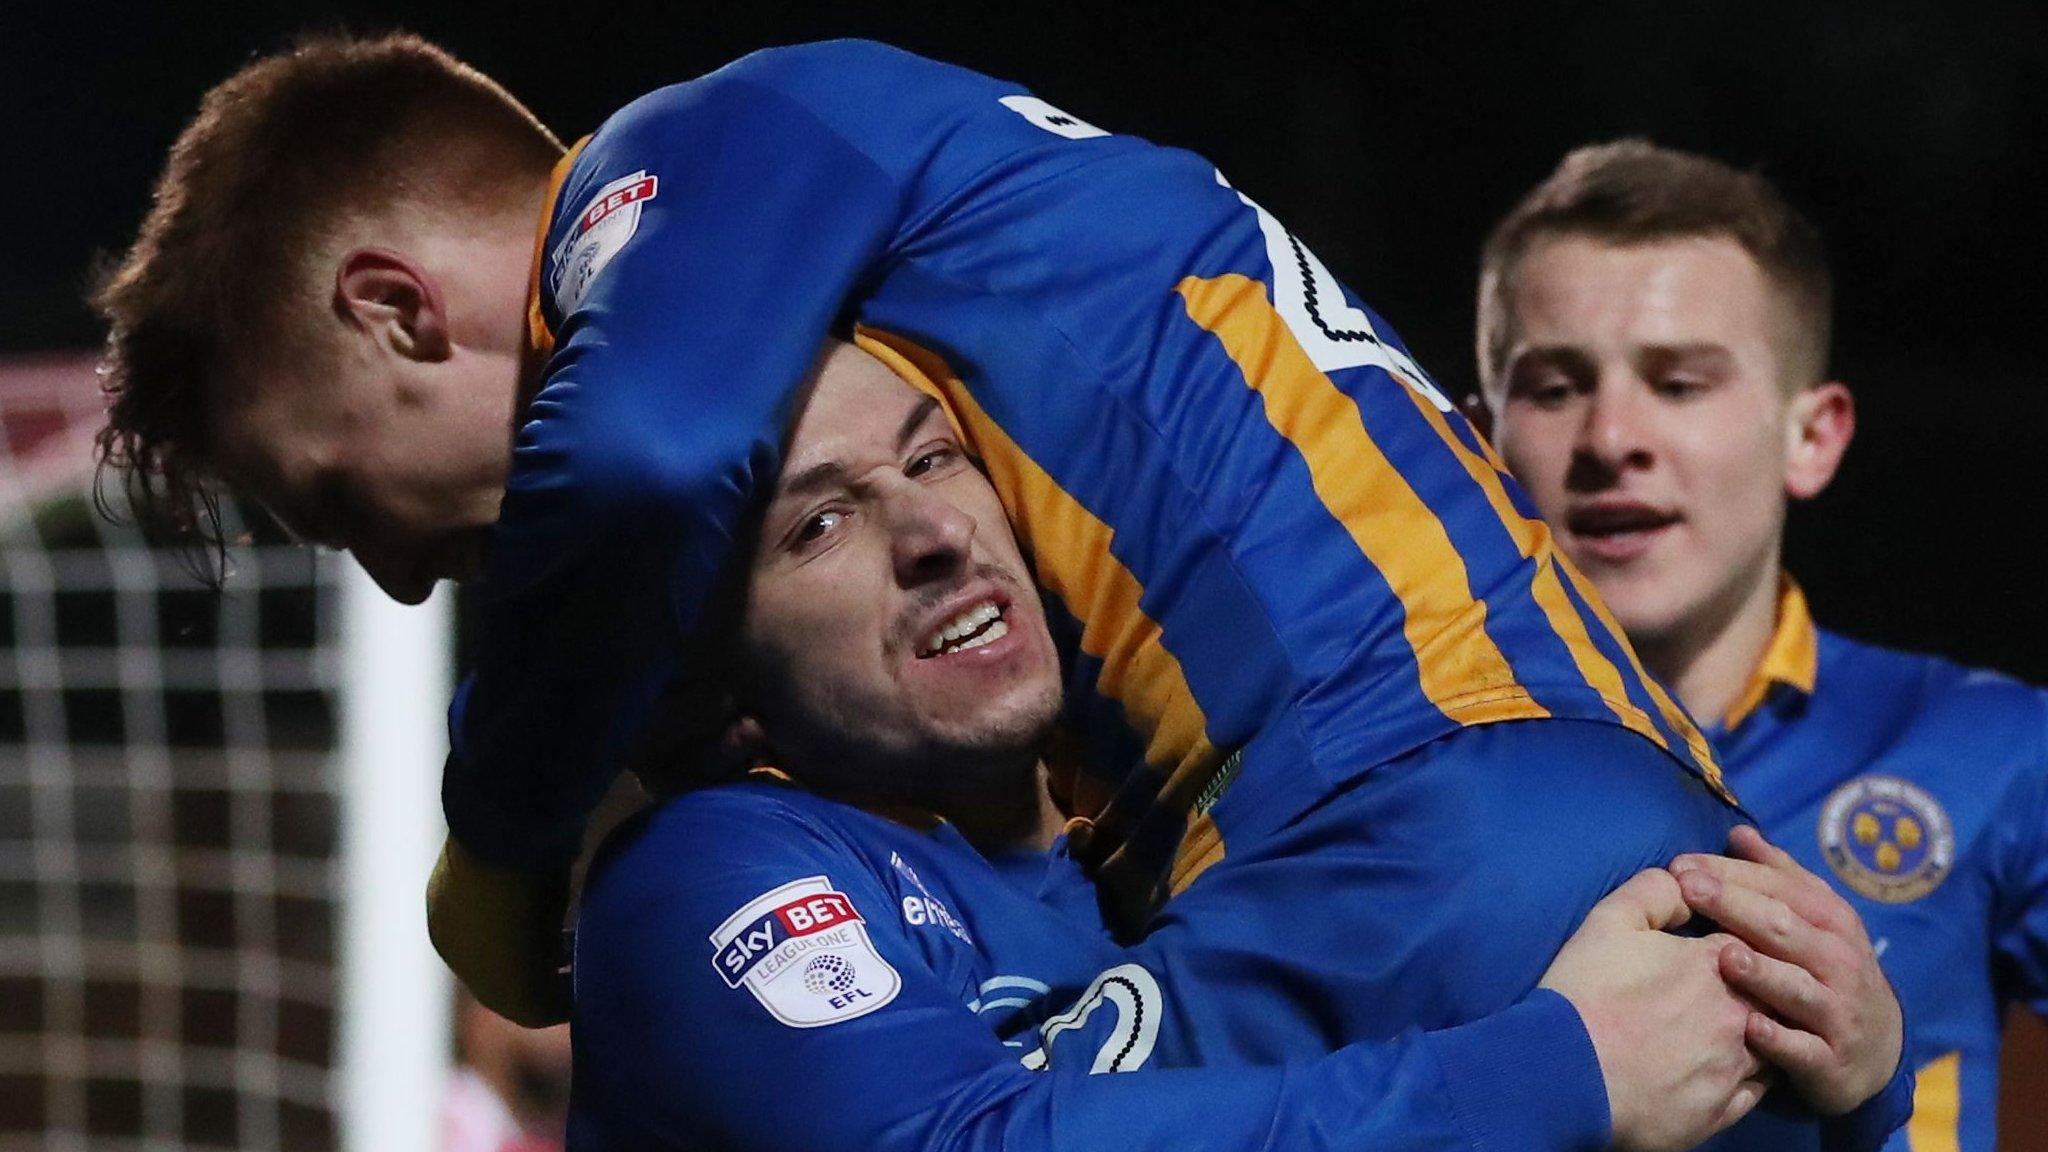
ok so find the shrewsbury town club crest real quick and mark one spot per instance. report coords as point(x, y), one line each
point(1887, 839)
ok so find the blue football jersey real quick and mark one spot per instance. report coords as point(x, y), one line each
point(760, 968)
point(1919, 789)
point(1278, 559)
point(1277, 555)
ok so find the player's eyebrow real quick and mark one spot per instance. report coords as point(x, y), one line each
point(1566, 357)
point(816, 478)
point(829, 474)
point(914, 420)
point(1702, 355)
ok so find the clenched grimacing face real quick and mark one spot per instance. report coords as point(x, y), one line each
point(892, 630)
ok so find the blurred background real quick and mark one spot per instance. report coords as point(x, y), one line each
point(179, 899)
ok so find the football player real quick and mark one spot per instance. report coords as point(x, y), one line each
point(1654, 330)
point(1301, 605)
point(863, 942)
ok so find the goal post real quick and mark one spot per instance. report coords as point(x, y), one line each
point(395, 677)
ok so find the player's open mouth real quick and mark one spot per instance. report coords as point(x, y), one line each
point(978, 625)
point(1620, 530)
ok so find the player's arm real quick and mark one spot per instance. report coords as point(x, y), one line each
point(703, 244)
point(701, 247)
point(687, 313)
point(2020, 925)
point(1831, 1021)
point(499, 929)
point(695, 1029)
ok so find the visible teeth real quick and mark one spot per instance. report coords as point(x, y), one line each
point(985, 613)
point(996, 631)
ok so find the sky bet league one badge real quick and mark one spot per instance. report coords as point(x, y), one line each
point(804, 953)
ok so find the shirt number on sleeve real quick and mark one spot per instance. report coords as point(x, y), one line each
point(1132, 1025)
point(1051, 119)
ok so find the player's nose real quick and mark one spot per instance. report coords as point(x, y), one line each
point(929, 536)
point(1611, 431)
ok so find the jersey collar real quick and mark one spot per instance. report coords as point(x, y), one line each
point(916, 819)
point(1792, 659)
point(540, 339)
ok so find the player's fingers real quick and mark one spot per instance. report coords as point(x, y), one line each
point(1743, 1100)
point(1761, 921)
point(1799, 1054)
point(1650, 899)
point(1748, 842)
point(1787, 990)
point(1827, 908)
point(1730, 870)
point(1806, 894)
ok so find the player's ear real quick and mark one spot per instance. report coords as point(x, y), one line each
point(746, 741)
point(392, 300)
point(1476, 411)
point(1822, 421)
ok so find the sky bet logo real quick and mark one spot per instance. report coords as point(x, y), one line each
point(801, 917)
point(609, 218)
point(639, 186)
point(803, 951)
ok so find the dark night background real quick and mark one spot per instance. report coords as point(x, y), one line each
point(1390, 137)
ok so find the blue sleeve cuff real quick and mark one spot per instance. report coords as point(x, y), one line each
point(1526, 1077)
point(1872, 1123)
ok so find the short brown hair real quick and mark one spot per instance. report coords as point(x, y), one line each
point(280, 157)
point(1634, 192)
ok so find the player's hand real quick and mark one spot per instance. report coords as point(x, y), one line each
point(500, 931)
point(1833, 1023)
point(1667, 1030)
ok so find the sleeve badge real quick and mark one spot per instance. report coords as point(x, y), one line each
point(803, 951)
point(608, 219)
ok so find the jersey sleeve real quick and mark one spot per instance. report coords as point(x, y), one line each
point(2021, 925)
point(702, 1022)
point(1871, 1123)
point(702, 245)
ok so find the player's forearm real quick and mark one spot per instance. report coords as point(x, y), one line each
point(1524, 1079)
point(500, 932)
point(687, 319)
point(1868, 1127)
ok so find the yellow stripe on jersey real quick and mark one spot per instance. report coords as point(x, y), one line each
point(1462, 671)
point(1200, 850)
point(1937, 1119)
point(1674, 716)
point(1071, 548)
point(1533, 539)
point(540, 341)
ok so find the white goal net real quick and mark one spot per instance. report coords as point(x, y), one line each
point(216, 816)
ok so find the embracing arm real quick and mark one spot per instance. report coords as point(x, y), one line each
point(686, 319)
point(688, 303)
point(1828, 1017)
point(2020, 930)
point(688, 1041)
